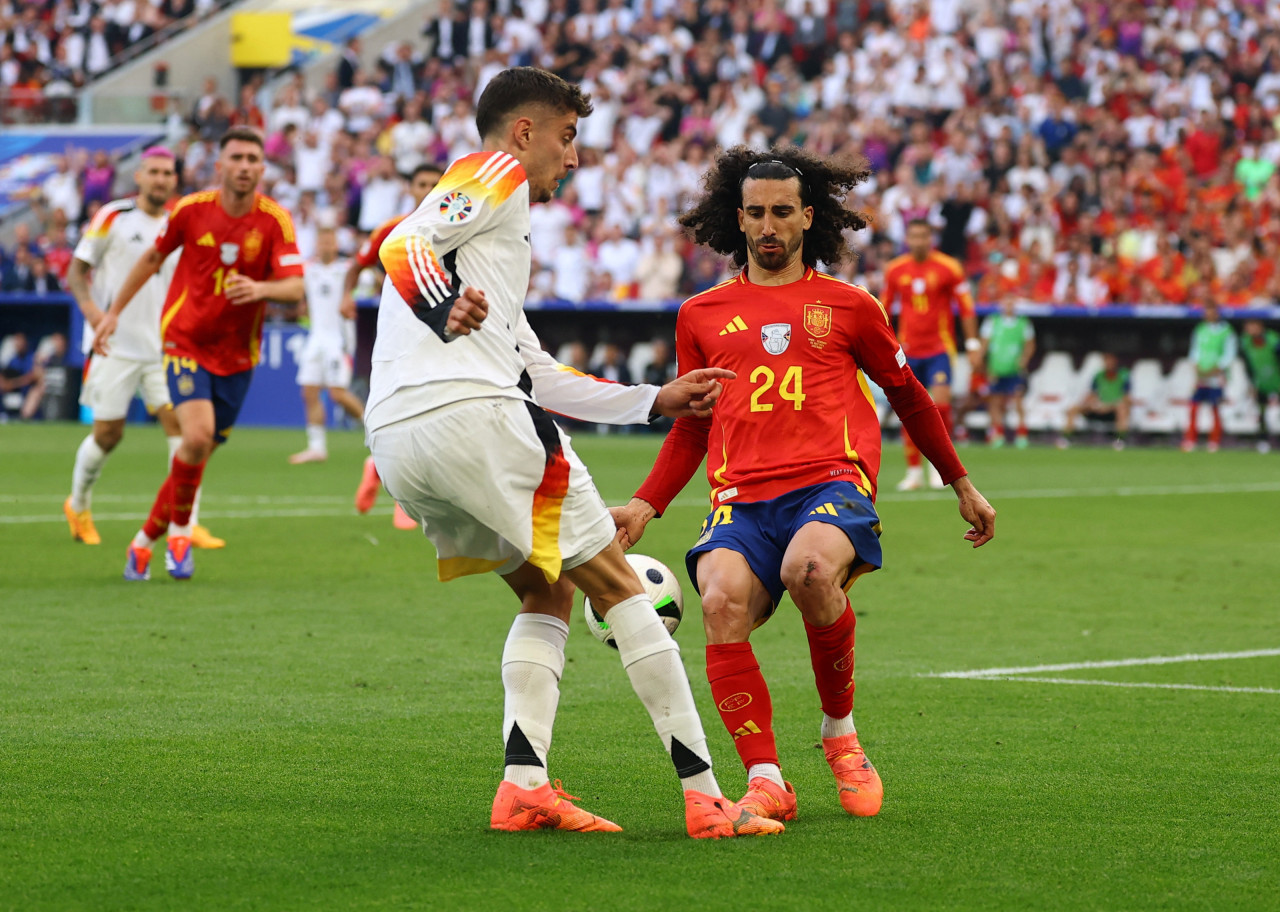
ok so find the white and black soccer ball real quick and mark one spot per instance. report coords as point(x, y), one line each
point(663, 588)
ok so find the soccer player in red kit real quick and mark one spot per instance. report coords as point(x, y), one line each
point(238, 252)
point(792, 448)
point(923, 283)
point(421, 182)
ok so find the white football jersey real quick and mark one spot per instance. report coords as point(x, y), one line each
point(324, 283)
point(473, 230)
point(117, 236)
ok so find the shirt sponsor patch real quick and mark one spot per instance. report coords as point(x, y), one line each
point(901, 357)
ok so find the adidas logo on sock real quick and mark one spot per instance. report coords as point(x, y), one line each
point(747, 728)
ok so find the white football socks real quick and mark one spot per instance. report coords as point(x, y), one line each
point(769, 771)
point(834, 728)
point(532, 663)
point(316, 439)
point(90, 458)
point(652, 661)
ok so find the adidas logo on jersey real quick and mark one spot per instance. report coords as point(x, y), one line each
point(206, 240)
point(747, 728)
point(737, 324)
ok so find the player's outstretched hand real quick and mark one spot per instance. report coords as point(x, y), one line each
point(347, 309)
point(631, 520)
point(468, 312)
point(102, 332)
point(243, 290)
point(693, 394)
point(975, 510)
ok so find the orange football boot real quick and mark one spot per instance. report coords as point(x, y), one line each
point(765, 798)
point(861, 791)
point(367, 493)
point(81, 524)
point(543, 808)
point(204, 539)
point(709, 817)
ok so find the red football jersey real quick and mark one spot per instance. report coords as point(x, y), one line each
point(198, 321)
point(800, 412)
point(924, 293)
point(367, 255)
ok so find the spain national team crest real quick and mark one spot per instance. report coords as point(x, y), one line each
point(775, 337)
point(229, 253)
point(817, 319)
point(252, 245)
point(456, 206)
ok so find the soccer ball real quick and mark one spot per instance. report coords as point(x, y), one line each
point(659, 583)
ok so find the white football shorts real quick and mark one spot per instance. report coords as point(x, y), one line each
point(321, 364)
point(110, 384)
point(494, 483)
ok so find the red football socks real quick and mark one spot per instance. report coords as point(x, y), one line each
point(186, 481)
point(910, 450)
point(831, 652)
point(158, 521)
point(742, 699)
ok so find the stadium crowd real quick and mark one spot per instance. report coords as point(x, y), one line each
point(1068, 153)
point(51, 48)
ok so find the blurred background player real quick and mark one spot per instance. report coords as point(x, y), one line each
point(1108, 400)
point(923, 284)
point(325, 359)
point(792, 458)
point(421, 182)
point(1008, 342)
point(457, 422)
point(120, 232)
point(238, 251)
point(1213, 348)
point(1260, 348)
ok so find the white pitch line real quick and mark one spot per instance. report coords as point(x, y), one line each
point(300, 512)
point(263, 499)
point(1143, 684)
point(1003, 673)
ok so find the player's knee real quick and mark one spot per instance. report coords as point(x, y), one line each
point(808, 576)
point(198, 443)
point(725, 619)
point(108, 438)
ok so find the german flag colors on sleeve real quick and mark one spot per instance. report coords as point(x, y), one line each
point(416, 254)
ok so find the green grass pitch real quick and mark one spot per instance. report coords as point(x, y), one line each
point(313, 722)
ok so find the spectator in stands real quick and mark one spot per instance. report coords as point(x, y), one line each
point(349, 64)
point(612, 364)
point(1108, 400)
point(660, 270)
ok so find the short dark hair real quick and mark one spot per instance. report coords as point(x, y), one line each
point(517, 87)
point(423, 168)
point(920, 221)
point(242, 133)
point(824, 182)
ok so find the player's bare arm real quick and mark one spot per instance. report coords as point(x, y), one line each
point(78, 283)
point(972, 340)
point(975, 510)
point(243, 290)
point(349, 282)
point(148, 265)
point(693, 394)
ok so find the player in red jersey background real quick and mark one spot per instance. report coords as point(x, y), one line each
point(792, 449)
point(238, 252)
point(923, 285)
point(421, 182)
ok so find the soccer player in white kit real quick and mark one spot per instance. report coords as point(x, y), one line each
point(120, 232)
point(457, 427)
point(325, 359)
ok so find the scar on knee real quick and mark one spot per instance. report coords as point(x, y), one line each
point(810, 569)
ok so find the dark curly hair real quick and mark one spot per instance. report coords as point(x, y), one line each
point(824, 183)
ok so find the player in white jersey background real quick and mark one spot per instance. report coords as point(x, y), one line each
point(120, 232)
point(324, 362)
point(457, 427)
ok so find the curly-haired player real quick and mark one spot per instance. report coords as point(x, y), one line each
point(793, 450)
